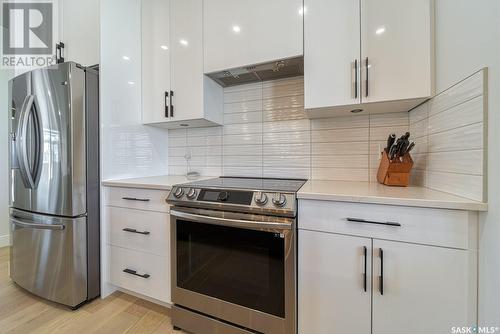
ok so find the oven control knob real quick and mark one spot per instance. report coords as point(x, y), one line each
point(261, 198)
point(223, 196)
point(279, 200)
point(178, 192)
point(191, 194)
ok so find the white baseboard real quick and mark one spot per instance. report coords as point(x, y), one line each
point(4, 240)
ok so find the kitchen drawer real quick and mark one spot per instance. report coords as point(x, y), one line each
point(134, 198)
point(439, 227)
point(156, 286)
point(146, 231)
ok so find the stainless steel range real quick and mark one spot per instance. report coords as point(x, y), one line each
point(234, 255)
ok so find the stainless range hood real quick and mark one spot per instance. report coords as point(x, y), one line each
point(278, 69)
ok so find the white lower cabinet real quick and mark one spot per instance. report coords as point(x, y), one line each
point(332, 296)
point(411, 288)
point(425, 289)
point(139, 272)
point(137, 232)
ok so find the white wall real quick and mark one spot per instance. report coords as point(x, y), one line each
point(4, 169)
point(467, 39)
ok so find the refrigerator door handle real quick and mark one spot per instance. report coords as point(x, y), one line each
point(37, 226)
point(22, 142)
point(39, 142)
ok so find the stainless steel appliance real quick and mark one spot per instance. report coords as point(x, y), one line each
point(234, 255)
point(54, 183)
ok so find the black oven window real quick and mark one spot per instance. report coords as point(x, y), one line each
point(240, 266)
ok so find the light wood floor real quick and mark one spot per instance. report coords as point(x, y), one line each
point(22, 312)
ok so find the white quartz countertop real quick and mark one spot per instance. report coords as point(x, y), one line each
point(343, 191)
point(375, 193)
point(160, 182)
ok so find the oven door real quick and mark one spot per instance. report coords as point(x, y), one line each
point(235, 267)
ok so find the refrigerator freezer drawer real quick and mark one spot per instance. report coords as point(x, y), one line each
point(49, 257)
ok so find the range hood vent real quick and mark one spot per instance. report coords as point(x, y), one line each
point(279, 69)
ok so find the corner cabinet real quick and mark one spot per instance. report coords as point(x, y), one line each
point(175, 91)
point(386, 270)
point(241, 33)
point(373, 55)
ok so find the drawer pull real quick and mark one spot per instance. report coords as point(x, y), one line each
point(136, 199)
point(133, 272)
point(133, 230)
point(364, 221)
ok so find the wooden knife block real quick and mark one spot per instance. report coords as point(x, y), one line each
point(395, 172)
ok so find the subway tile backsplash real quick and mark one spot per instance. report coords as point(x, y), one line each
point(266, 133)
point(450, 132)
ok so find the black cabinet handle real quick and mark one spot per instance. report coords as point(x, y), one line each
point(136, 199)
point(171, 103)
point(355, 78)
point(365, 251)
point(381, 271)
point(367, 74)
point(364, 221)
point(133, 230)
point(133, 272)
point(166, 104)
point(59, 52)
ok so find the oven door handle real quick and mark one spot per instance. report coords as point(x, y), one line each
point(239, 223)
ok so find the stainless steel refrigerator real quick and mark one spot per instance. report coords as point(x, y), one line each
point(54, 183)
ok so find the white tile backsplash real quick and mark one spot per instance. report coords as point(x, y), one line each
point(267, 133)
point(449, 132)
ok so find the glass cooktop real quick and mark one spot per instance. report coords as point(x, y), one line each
point(250, 183)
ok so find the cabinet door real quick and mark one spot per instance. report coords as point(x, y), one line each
point(425, 289)
point(155, 60)
point(187, 59)
point(331, 283)
point(396, 44)
point(80, 30)
point(242, 32)
point(331, 53)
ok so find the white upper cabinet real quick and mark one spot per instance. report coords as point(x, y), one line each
point(187, 57)
point(175, 92)
point(390, 41)
point(332, 73)
point(396, 47)
point(241, 32)
point(156, 51)
point(79, 30)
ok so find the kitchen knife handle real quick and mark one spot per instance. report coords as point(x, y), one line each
point(412, 145)
point(390, 141)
